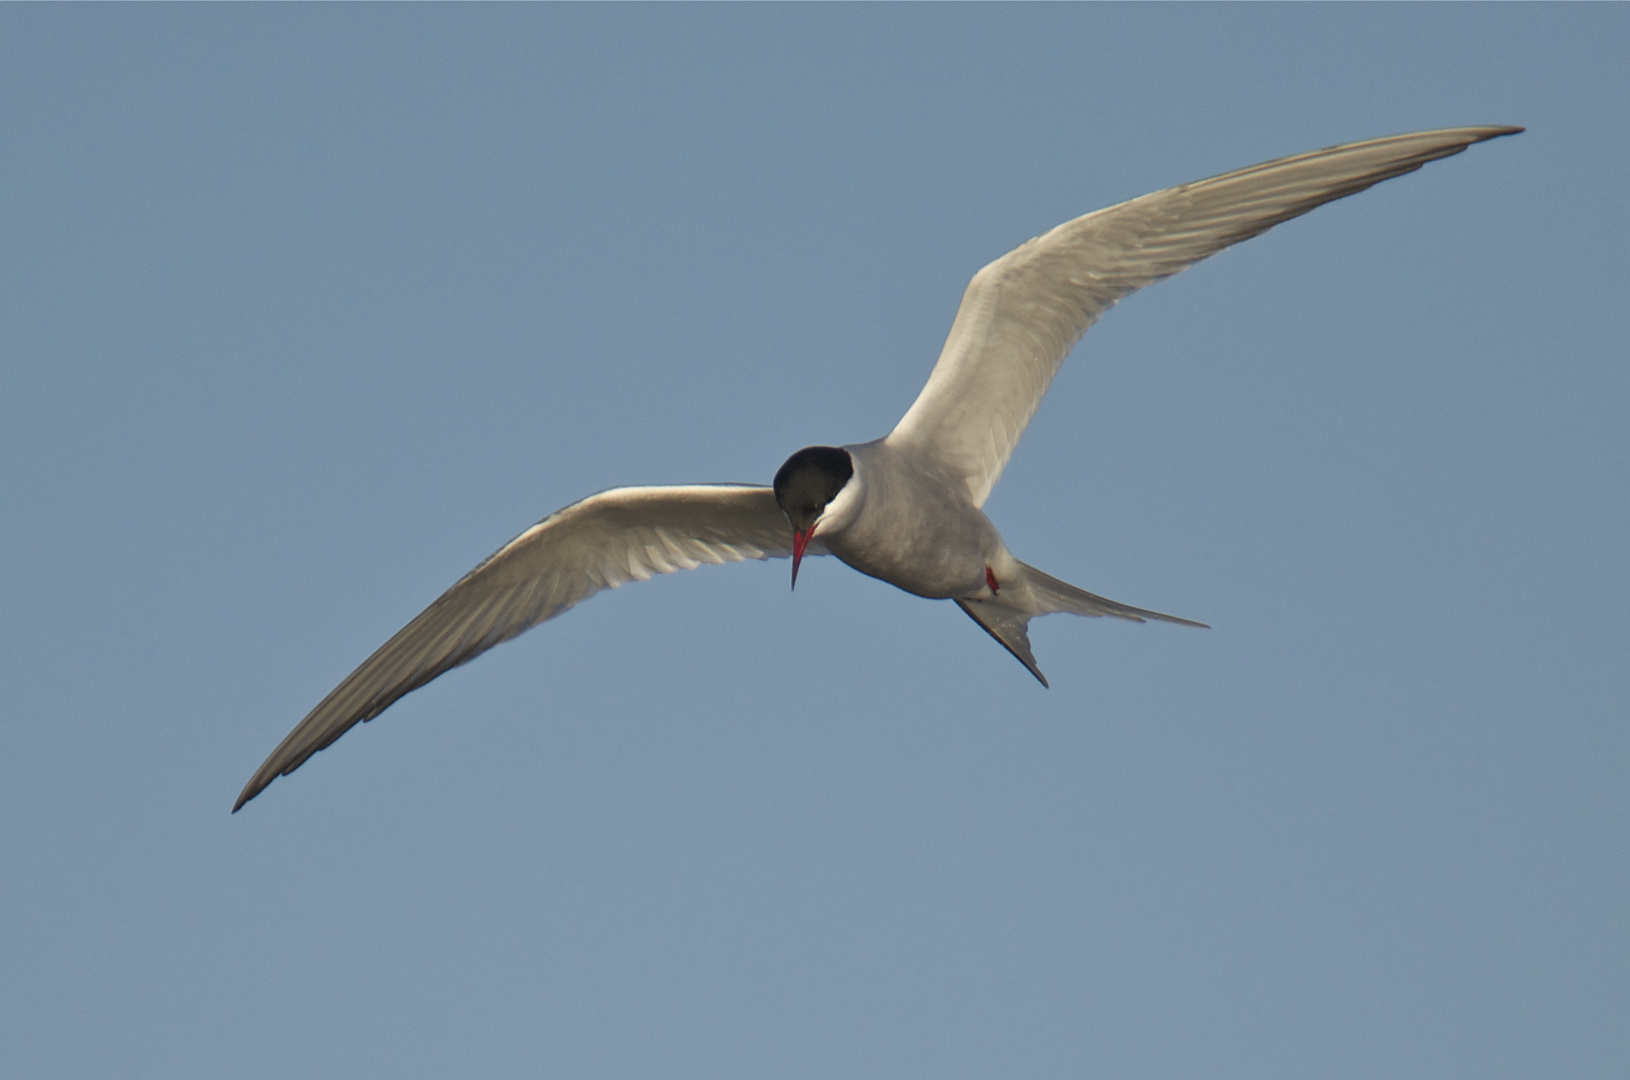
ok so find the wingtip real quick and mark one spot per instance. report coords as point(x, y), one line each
point(250, 790)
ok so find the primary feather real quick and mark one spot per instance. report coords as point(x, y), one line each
point(1022, 314)
point(621, 535)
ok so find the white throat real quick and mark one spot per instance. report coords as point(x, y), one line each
point(841, 512)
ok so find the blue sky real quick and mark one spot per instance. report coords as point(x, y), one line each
point(304, 310)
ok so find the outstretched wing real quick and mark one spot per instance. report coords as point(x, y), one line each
point(626, 534)
point(1022, 314)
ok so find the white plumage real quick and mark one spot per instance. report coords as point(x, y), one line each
point(904, 508)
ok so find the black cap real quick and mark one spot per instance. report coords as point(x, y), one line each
point(809, 480)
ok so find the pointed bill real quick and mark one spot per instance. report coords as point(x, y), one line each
point(800, 541)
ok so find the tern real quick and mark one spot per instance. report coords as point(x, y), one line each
point(904, 508)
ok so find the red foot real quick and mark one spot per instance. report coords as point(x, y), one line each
point(990, 579)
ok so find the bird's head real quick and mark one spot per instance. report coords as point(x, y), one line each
point(805, 486)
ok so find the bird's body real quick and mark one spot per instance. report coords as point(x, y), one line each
point(906, 519)
point(906, 508)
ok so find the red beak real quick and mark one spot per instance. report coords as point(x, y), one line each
point(800, 540)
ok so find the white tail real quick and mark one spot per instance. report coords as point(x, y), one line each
point(1010, 625)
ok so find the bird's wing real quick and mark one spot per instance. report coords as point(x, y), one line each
point(626, 534)
point(1023, 313)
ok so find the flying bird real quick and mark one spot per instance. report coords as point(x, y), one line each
point(904, 508)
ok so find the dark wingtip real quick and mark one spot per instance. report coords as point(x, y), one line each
point(250, 790)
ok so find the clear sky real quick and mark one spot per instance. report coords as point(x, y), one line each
point(304, 310)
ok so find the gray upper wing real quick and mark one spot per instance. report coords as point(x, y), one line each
point(1022, 314)
point(625, 534)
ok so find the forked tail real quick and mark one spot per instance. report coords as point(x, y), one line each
point(1010, 625)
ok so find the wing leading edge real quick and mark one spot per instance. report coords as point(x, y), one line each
point(1022, 314)
point(621, 535)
